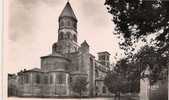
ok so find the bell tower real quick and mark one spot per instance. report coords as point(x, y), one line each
point(67, 24)
point(67, 32)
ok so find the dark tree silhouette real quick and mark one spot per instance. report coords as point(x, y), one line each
point(137, 19)
point(79, 85)
point(149, 57)
point(117, 83)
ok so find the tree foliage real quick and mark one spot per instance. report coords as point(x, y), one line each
point(157, 62)
point(137, 19)
point(124, 78)
point(79, 85)
point(116, 83)
point(131, 72)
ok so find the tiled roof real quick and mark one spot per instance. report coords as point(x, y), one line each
point(68, 12)
point(35, 69)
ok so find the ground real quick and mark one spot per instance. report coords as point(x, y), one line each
point(99, 98)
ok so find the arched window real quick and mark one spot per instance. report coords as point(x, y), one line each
point(74, 25)
point(68, 35)
point(61, 36)
point(54, 47)
point(96, 73)
point(51, 79)
point(61, 78)
point(65, 37)
point(27, 78)
point(68, 23)
point(71, 79)
point(97, 88)
point(75, 49)
point(104, 89)
point(46, 80)
point(21, 79)
point(61, 23)
point(37, 78)
point(74, 38)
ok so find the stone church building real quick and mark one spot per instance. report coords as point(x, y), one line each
point(60, 68)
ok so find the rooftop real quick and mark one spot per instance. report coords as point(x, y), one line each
point(68, 12)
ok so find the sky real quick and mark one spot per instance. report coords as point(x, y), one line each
point(31, 28)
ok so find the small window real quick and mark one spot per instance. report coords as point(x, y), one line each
point(97, 88)
point(74, 38)
point(61, 79)
point(75, 25)
point(104, 89)
point(68, 35)
point(60, 37)
point(26, 78)
point(37, 78)
point(61, 23)
point(46, 80)
point(51, 79)
point(75, 49)
point(68, 23)
point(96, 73)
point(21, 80)
point(70, 79)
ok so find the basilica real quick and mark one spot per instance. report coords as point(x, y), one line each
point(67, 61)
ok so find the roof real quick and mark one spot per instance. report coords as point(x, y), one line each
point(68, 12)
point(77, 73)
point(58, 70)
point(30, 70)
point(35, 69)
point(105, 52)
point(56, 55)
point(53, 55)
point(85, 44)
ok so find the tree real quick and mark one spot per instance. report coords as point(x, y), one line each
point(137, 19)
point(143, 20)
point(79, 85)
point(116, 83)
point(131, 72)
point(157, 62)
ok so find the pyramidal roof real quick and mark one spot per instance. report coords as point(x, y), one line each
point(68, 12)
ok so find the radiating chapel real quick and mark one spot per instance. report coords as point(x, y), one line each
point(67, 61)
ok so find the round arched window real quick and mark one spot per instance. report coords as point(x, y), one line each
point(68, 23)
point(61, 23)
point(54, 47)
point(68, 35)
point(60, 36)
point(104, 89)
point(74, 38)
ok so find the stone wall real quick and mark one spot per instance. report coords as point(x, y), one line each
point(43, 84)
point(159, 91)
point(101, 89)
point(53, 63)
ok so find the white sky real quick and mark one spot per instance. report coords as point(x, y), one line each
point(32, 25)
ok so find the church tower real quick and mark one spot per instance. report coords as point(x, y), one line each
point(67, 32)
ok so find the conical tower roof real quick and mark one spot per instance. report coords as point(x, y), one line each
point(68, 12)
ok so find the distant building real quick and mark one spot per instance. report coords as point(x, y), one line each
point(67, 61)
